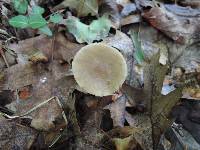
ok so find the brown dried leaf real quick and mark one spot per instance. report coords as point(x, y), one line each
point(117, 110)
point(42, 45)
point(15, 136)
point(44, 84)
point(144, 134)
point(46, 115)
point(135, 18)
point(181, 29)
point(121, 138)
point(82, 7)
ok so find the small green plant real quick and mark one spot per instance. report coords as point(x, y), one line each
point(34, 20)
point(97, 30)
point(139, 54)
point(20, 6)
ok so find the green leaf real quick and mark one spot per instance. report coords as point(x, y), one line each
point(36, 21)
point(20, 6)
point(46, 30)
point(97, 30)
point(138, 55)
point(37, 10)
point(19, 21)
point(55, 18)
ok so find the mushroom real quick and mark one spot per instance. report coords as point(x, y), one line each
point(99, 69)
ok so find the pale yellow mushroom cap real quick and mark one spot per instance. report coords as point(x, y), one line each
point(99, 69)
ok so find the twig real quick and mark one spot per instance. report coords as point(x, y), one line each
point(38, 106)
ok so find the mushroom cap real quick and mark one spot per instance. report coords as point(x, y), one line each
point(99, 69)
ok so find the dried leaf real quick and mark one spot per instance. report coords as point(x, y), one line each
point(14, 135)
point(128, 8)
point(121, 138)
point(63, 49)
point(117, 110)
point(43, 84)
point(110, 8)
point(187, 114)
point(125, 143)
point(144, 134)
point(193, 3)
point(83, 7)
point(179, 28)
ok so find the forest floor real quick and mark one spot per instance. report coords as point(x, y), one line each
point(46, 104)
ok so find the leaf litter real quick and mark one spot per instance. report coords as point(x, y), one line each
point(46, 108)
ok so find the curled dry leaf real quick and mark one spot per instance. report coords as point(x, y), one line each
point(181, 29)
point(99, 69)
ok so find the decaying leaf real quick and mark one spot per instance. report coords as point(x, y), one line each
point(123, 2)
point(189, 58)
point(179, 28)
point(191, 93)
point(135, 18)
point(41, 121)
point(125, 143)
point(14, 135)
point(97, 30)
point(83, 7)
point(159, 106)
point(192, 3)
point(47, 115)
point(179, 138)
point(144, 134)
point(187, 114)
point(38, 56)
point(135, 96)
point(36, 97)
point(110, 8)
point(35, 50)
point(121, 138)
point(117, 110)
